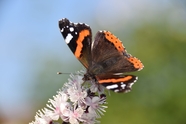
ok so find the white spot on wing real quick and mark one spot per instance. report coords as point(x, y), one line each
point(87, 25)
point(118, 73)
point(71, 29)
point(126, 91)
point(62, 29)
point(123, 86)
point(68, 38)
point(112, 86)
point(116, 90)
point(130, 85)
point(136, 79)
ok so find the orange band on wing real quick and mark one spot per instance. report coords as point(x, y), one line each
point(116, 80)
point(82, 35)
point(113, 39)
point(137, 63)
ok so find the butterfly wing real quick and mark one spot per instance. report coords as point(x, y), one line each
point(78, 37)
point(109, 53)
point(117, 83)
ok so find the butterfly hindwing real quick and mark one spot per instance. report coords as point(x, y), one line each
point(117, 82)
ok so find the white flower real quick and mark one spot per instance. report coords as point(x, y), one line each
point(76, 95)
point(95, 105)
point(41, 118)
point(74, 89)
point(75, 103)
point(89, 118)
point(95, 87)
point(58, 105)
point(75, 116)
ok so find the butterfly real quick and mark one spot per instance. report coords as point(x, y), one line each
point(105, 58)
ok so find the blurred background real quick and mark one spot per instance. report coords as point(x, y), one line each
point(32, 50)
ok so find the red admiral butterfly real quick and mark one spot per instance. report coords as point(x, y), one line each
point(105, 58)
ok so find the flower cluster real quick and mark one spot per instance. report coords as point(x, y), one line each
point(77, 102)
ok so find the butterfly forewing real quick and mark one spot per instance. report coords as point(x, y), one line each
point(113, 57)
point(79, 39)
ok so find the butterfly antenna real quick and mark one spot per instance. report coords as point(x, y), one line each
point(62, 73)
